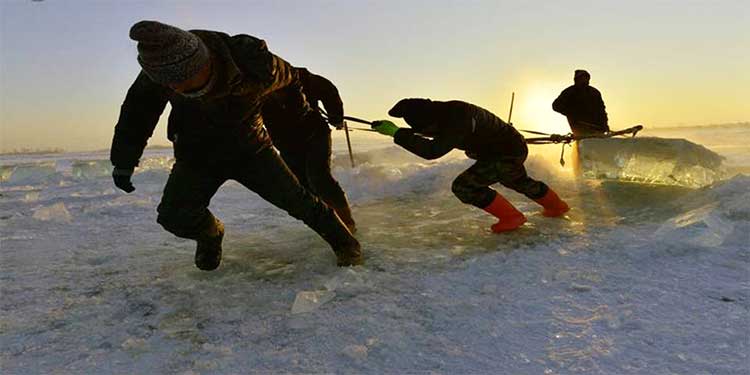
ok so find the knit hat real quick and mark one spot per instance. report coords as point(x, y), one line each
point(168, 54)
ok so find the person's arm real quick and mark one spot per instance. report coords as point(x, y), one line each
point(283, 75)
point(424, 147)
point(266, 71)
point(319, 88)
point(421, 146)
point(603, 120)
point(562, 103)
point(139, 114)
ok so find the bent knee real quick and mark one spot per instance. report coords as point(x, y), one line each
point(182, 222)
point(463, 192)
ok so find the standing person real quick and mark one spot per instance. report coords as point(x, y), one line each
point(215, 84)
point(582, 104)
point(304, 138)
point(498, 148)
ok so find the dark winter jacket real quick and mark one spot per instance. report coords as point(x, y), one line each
point(289, 120)
point(457, 124)
point(222, 125)
point(582, 103)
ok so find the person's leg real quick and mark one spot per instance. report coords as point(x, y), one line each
point(516, 178)
point(267, 175)
point(184, 211)
point(296, 160)
point(472, 187)
point(322, 182)
point(512, 174)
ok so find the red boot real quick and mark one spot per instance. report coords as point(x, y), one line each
point(553, 205)
point(510, 217)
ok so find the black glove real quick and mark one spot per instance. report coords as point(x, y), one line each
point(121, 176)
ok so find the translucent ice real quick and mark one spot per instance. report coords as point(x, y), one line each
point(31, 173)
point(661, 161)
point(309, 301)
point(87, 169)
point(702, 226)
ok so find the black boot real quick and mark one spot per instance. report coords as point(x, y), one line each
point(347, 249)
point(348, 252)
point(208, 252)
point(345, 214)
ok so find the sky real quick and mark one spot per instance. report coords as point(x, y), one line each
point(65, 66)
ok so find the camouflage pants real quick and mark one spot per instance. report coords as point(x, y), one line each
point(184, 211)
point(472, 186)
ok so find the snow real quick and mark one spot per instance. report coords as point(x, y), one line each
point(636, 279)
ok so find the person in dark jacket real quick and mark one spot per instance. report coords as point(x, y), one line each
point(582, 104)
point(499, 149)
point(304, 137)
point(215, 84)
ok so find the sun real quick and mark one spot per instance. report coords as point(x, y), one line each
point(533, 110)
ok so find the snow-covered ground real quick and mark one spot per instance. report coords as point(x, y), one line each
point(637, 279)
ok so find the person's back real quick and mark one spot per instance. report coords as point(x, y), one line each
point(292, 115)
point(460, 125)
point(582, 104)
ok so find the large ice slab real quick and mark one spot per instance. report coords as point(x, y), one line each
point(663, 161)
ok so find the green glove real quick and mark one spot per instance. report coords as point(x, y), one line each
point(385, 127)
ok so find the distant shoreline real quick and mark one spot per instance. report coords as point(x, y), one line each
point(51, 151)
point(726, 125)
point(43, 151)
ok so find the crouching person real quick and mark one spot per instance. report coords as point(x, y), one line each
point(499, 149)
point(303, 137)
point(215, 84)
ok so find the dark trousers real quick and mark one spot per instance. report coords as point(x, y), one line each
point(184, 211)
point(472, 186)
point(312, 166)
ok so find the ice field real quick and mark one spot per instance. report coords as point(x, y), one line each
point(636, 279)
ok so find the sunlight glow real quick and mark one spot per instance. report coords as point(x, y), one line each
point(533, 110)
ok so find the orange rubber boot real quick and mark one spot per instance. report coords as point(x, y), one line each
point(510, 217)
point(553, 205)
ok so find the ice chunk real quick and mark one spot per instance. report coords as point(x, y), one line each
point(88, 169)
point(662, 161)
point(348, 280)
point(159, 163)
point(56, 212)
point(309, 301)
point(30, 173)
point(32, 196)
point(6, 171)
point(702, 226)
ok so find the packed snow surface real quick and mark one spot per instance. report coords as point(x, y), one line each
point(636, 279)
